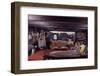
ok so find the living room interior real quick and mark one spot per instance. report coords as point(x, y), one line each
point(57, 37)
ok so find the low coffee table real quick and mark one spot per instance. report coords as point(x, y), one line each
point(70, 54)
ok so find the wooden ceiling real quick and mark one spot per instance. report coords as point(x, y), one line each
point(59, 23)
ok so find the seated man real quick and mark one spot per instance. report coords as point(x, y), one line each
point(70, 42)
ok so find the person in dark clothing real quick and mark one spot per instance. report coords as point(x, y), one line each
point(48, 42)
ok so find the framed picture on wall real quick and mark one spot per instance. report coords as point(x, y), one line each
point(52, 37)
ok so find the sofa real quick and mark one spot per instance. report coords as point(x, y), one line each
point(58, 45)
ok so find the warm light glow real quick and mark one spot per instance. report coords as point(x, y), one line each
point(62, 32)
